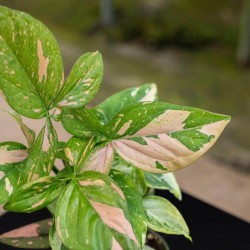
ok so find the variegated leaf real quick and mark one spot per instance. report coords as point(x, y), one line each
point(55, 241)
point(31, 70)
point(111, 106)
point(161, 137)
point(83, 82)
point(82, 122)
point(135, 205)
point(77, 150)
point(43, 152)
point(12, 152)
point(12, 167)
point(100, 160)
point(165, 182)
point(164, 217)
point(99, 208)
point(32, 236)
point(28, 133)
point(35, 195)
point(10, 182)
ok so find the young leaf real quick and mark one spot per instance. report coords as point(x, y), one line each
point(81, 122)
point(35, 195)
point(164, 182)
point(32, 236)
point(28, 133)
point(83, 81)
point(31, 70)
point(42, 155)
point(164, 217)
point(77, 150)
point(111, 106)
point(94, 205)
point(135, 205)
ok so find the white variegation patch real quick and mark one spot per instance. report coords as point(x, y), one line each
point(150, 94)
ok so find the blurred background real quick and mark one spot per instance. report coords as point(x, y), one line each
point(198, 53)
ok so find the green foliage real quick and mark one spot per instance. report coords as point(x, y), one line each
point(118, 149)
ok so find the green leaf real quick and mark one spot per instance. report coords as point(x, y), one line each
point(32, 236)
point(94, 205)
point(135, 205)
point(111, 106)
point(139, 180)
point(164, 182)
point(43, 152)
point(28, 133)
point(35, 195)
point(164, 217)
point(77, 150)
point(81, 122)
point(83, 81)
point(31, 70)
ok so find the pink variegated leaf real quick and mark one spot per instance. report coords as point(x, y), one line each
point(32, 236)
point(94, 205)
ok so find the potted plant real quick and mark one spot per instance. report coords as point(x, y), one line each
point(118, 149)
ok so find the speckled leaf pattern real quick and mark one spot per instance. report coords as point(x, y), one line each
point(135, 205)
point(32, 236)
point(98, 218)
point(77, 150)
point(160, 137)
point(43, 152)
point(12, 166)
point(139, 180)
point(163, 216)
point(83, 81)
point(112, 105)
point(31, 70)
point(13, 176)
point(165, 182)
point(82, 122)
point(35, 195)
point(28, 133)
